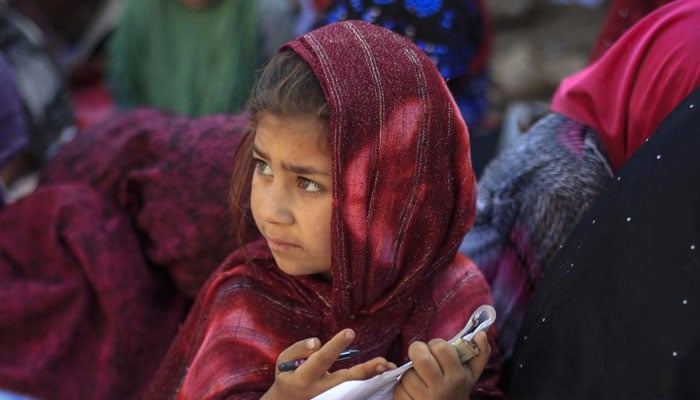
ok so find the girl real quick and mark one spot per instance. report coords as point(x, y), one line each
point(362, 189)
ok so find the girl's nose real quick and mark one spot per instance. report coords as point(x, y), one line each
point(276, 205)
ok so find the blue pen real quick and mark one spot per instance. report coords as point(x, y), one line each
point(294, 364)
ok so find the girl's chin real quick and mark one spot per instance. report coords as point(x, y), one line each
point(294, 270)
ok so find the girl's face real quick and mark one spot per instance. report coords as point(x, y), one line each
point(291, 192)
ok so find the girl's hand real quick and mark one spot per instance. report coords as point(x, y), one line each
point(437, 372)
point(312, 377)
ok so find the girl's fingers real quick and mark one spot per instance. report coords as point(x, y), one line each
point(478, 363)
point(361, 371)
point(447, 357)
point(410, 385)
point(414, 382)
point(368, 369)
point(312, 375)
point(400, 392)
point(424, 362)
point(318, 363)
point(437, 371)
point(298, 351)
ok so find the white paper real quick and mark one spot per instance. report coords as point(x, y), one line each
point(378, 387)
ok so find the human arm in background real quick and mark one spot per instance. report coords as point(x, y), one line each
point(125, 45)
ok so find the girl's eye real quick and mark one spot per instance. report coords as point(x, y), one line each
point(309, 185)
point(262, 168)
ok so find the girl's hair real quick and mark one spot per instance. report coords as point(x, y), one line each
point(287, 88)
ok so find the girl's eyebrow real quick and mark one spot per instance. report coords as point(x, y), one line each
point(297, 169)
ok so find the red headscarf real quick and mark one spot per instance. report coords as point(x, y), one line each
point(626, 94)
point(403, 198)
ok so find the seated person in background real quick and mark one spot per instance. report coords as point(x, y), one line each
point(455, 34)
point(615, 315)
point(363, 189)
point(309, 10)
point(194, 57)
point(532, 195)
point(64, 23)
point(42, 88)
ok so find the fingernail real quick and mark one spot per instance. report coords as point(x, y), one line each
point(350, 334)
point(311, 343)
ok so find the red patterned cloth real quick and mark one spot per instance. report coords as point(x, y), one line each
point(96, 266)
point(403, 196)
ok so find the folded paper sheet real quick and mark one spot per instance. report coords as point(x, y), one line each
point(381, 386)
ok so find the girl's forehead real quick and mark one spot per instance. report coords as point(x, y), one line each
point(293, 134)
point(303, 129)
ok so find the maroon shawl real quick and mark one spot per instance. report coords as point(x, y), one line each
point(95, 266)
point(171, 175)
point(403, 195)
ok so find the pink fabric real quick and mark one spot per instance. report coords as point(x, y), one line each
point(622, 14)
point(626, 94)
point(92, 103)
point(403, 198)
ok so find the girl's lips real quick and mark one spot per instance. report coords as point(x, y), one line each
point(280, 245)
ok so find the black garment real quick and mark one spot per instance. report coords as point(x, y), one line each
point(616, 312)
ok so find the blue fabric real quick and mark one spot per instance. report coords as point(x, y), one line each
point(452, 33)
point(13, 396)
point(13, 135)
